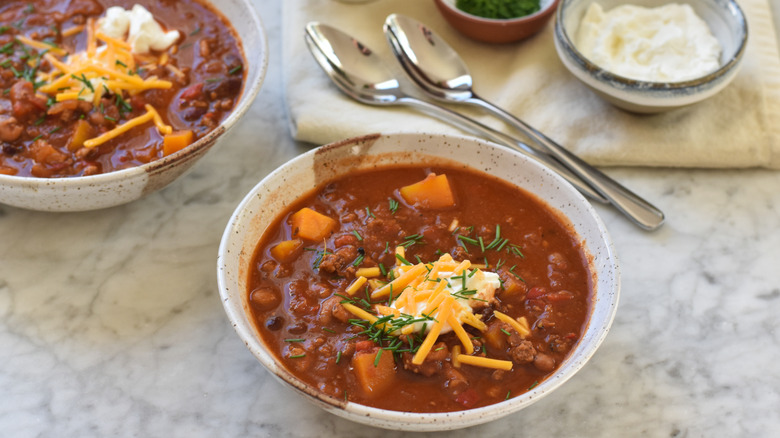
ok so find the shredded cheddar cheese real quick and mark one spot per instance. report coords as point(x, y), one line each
point(356, 285)
point(432, 298)
point(485, 362)
point(107, 66)
point(522, 329)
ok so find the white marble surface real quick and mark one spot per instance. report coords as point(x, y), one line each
point(110, 322)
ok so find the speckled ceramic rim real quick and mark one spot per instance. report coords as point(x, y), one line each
point(547, 4)
point(248, 95)
point(271, 195)
point(580, 59)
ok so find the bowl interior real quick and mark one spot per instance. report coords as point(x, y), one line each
point(122, 186)
point(724, 18)
point(302, 174)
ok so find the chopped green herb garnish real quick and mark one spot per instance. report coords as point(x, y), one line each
point(338, 356)
point(506, 332)
point(118, 62)
point(507, 395)
point(110, 118)
point(329, 330)
point(83, 79)
point(235, 69)
point(402, 259)
point(358, 260)
point(3, 29)
point(383, 270)
point(294, 340)
point(533, 386)
point(368, 212)
point(378, 355)
point(195, 32)
point(39, 121)
point(393, 205)
point(29, 9)
point(211, 80)
point(296, 356)
point(359, 237)
point(8, 48)
point(467, 239)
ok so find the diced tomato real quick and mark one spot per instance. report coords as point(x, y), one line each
point(535, 292)
point(192, 92)
point(467, 398)
point(364, 345)
point(563, 295)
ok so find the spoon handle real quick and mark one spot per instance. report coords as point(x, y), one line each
point(637, 209)
point(501, 138)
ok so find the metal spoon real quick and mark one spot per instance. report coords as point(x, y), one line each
point(355, 69)
point(440, 72)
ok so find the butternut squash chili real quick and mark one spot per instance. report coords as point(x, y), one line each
point(75, 101)
point(420, 289)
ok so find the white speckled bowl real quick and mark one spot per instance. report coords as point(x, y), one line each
point(123, 186)
point(275, 192)
point(726, 21)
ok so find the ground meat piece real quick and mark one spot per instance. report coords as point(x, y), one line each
point(456, 382)
point(433, 363)
point(332, 308)
point(25, 103)
point(70, 109)
point(222, 88)
point(458, 253)
point(91, 169)
point(210, 120)
point(561, 344)
point(345, 239)
point(10, 129)
point(204, 48)
point(523, 353)
point(340, 262)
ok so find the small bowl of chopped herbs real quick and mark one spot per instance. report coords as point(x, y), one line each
point(497, 21)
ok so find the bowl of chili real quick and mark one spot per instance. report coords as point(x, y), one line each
point(418, 281)
point(105, 102)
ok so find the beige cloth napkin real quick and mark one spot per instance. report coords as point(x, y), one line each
point(739, 127)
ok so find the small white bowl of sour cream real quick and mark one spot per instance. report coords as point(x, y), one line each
point(637, 81)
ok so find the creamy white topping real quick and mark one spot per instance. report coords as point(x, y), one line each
point(138, 27)
point(484, 285)
point(669, 43)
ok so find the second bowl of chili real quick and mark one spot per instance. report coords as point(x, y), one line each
point(418, 282)
point(105, 102)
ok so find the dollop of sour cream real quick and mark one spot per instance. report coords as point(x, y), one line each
point(669, 43)
point(138, 27)
point(480, 287)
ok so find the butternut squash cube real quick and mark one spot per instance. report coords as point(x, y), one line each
point(287, 250)
point(176, 141)
point(310, 225)
point(432, 192)
point(374, 375)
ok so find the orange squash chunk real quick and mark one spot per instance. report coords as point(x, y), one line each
point(176, 141)
point(311, 225)
point(375, 376)
point(286, 250)
point(432, 192)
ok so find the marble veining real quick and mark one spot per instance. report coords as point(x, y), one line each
point(111, 325)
